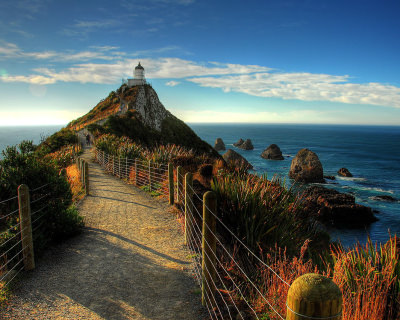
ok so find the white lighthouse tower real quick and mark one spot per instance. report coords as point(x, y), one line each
point(138, 77)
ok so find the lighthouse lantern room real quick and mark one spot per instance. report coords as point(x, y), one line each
point(138, 77)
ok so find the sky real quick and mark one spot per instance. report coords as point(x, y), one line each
point(266, 61)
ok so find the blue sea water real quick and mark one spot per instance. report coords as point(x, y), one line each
point(10, 136)
point(371, 153)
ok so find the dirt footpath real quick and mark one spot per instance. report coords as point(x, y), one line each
point(129, 263)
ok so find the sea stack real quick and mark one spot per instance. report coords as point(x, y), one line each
point(247, 145)
point(344, 172)
point(306, 167)
point(239, 142)
point(273, 152)
point(219, 144)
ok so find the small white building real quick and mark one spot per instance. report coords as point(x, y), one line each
point(138, 77)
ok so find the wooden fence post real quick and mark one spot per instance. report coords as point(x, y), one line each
point(82, 171)
point(113, 167)
point(126, 169)
point(86, 178)
point(209, 247)
point(150, 175)
point(171, 183)
point(26, 226)
point(179, 184)
point(136, 173)
point(188, 207)
point(313, 296)
point(104, 161)
point(119, 167)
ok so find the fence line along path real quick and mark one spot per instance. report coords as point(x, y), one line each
point(130, 262)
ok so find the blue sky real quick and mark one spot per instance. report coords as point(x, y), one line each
point(301, 61)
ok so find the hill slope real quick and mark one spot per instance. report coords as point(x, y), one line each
point(137, 113)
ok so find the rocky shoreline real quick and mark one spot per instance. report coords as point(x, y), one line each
point(326, 205)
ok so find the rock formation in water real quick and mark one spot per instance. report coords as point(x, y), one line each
point(273, 152)
point(339, 209)
point(239, 142)
point(219, 145)
point(306, 167)
point(246, 145)
point(344, 172)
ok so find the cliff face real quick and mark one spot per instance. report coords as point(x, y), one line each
point(137, 112)
point(147, 104)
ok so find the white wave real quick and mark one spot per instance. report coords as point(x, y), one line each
point(351, 178)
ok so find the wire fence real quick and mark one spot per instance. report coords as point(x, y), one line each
point(142, 173)
point(227, 273)
point(14, 234)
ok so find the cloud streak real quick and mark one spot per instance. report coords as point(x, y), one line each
point(306, 87)
point(254, 80)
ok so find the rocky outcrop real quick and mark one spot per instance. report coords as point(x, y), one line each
point(330, 177)
point(339, 209)
point(306, 167)
point(233, 158)
point(136, 112)
point(344, 172)
point(149, 107)
point(219, 145)
point(239, 142)
point(273, 152)
point(247, 145)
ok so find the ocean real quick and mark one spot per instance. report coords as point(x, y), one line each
point(371, 153)
point(10, 136)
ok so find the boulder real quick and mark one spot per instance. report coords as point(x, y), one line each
point(219, 144)
point(335, 208)
point(306, 167)
point(238, 143)
point(273, 152)
point(233, 158)
point(330, 177)
point(247, 145)
point(344, 172)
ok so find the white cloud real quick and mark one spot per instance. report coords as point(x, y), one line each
point(12, 51)
point(305, 87)
point(253, 80)
point(212, 116)
point(172, 83)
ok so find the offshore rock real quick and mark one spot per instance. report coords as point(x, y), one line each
point(273, 152)
point(219, 145)
point(339, 209)
point(344, 172)
point(247, 145)
point(239, 142)
point(306, 167)
point(235, 159)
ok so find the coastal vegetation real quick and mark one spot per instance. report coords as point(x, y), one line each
point(260, 214)
point(271, 221)
point(54, 215)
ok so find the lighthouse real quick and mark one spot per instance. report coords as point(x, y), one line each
point(138, 77)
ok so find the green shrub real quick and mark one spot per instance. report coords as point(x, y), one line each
point(58, 140)
point(50, 194)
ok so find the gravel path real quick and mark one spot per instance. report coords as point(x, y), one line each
point(129, 263)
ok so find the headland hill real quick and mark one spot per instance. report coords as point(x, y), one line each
point(284, 227)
